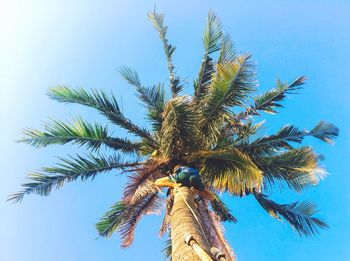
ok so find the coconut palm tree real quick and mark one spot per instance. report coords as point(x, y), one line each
point(214, 131)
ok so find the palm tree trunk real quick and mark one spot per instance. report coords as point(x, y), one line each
point(183, 223)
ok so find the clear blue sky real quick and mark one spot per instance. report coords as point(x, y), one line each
point(80, 43)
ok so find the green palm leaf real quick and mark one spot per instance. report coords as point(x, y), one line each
point(152, 97)
point(230, 87)
point(325, 131)
point(68, 170)
point(229, 170)
point(132, 77)
point(112, 219)
point(206, 74)
point(148, 205)
point(222, 211)
point(167, 249)
point(298, 214)
point(233, 135)
point(281, 140)
point(297, 167)
point(212, 34)
point(124, 217)
point(158, 22)
point(244, 133)
point(179, 131)
point(269, 100)
point(78, 132)
point(99, 100)
point(227, 51)
point(212, 43)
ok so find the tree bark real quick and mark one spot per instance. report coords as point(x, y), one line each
point(183, 223)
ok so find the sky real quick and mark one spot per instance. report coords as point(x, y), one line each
point(82, 43)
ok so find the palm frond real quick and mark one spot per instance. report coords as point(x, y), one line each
point(227, 51)
point(230, 87)
point(325, 131)
point(268, 101)
point(212, 34)
point(141, 182)
point(211, 41)
point(179, 132)
point(146, 149)
point(214, 230)
point(167, 250)
point(275, 142)
point(107, 105)
point(207, 223)
point(78, 132)
point(67, 170)
point(245, 131)
point(229, 170)
point(223, 244)
point(233, 134)
point(166, 220)
point(269, 145)
point(300, 215)
point(152, 97)
point(156, 96)
point(112, 219)
point(124, 217)
point(222, 211)
point(298, 168)
point(131, 76)
point(150, 204)
point(205, 76)
point(158, 22)
point(226, 137)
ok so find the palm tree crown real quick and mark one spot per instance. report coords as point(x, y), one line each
point(213, 130)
